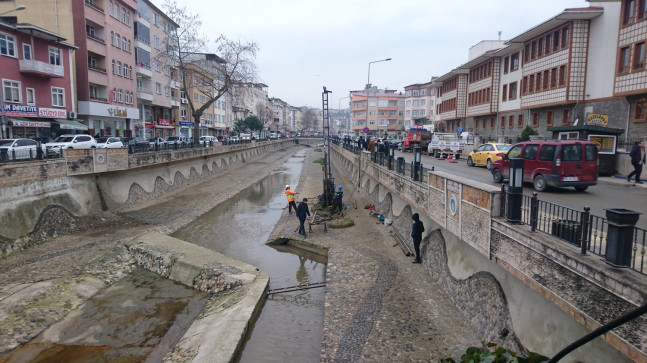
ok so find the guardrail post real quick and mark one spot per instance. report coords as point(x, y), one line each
point(4, 157)
point(534, 211)
point(584, 229)
point(503, 199)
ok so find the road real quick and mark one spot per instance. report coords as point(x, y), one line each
point(609, 193)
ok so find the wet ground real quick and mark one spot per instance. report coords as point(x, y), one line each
point(290, 325)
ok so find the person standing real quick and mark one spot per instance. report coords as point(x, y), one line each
point(637, 154)
point(302, 213)
point(290, 195)
point(416, 233)
point(337, 201)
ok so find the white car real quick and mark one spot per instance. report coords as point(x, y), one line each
point(19, 148)
point(156, 140)
point(109, 143)
point(179, 140)
point(207, 139)
point(69, 141)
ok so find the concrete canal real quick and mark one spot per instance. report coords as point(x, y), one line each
point(289, 327)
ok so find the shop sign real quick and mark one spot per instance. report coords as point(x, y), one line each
point(597, 119)
point(163, 122)
point(118, 112)
point(51, 112)
point(606, 143)
point(21, 123)
point(184, 123)
point(12, 110)
point(149, 124)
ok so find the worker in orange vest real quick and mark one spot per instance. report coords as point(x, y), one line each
point(290, 195)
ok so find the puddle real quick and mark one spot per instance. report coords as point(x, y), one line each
point(136, 319)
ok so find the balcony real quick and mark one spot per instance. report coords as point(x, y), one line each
point(144, 69)
point(98, 99)
point(91, 4)
point(95, 38)
point(175, 84)
point(145, 94)
point(96, 69)
point(31, 66)
point(175, 102)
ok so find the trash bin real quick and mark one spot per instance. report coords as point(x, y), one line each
point(620, 235)
point(567, 230)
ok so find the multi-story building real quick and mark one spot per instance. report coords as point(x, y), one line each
point(419, 104)
point(105, 65)
point(279, 111)
point(454, 93)
point(377, 111)
point(158, 89)
point(37, 94)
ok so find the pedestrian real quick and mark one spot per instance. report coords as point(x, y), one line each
point(337, 201)
point(380, 147)
point(302, 213)
point(416, 233)
point(371, 146)
point(637, 154)
point(290, 195)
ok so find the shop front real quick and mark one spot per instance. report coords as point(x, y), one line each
point(109, 120)
point(164, 129)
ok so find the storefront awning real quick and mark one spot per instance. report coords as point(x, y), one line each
point(71, 125)
point(164, 127)
point(25, 122)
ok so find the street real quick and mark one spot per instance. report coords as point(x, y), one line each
point(609, 193)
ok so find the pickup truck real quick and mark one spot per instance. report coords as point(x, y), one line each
point(445, 144)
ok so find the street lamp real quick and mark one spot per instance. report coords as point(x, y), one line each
point(3, 118)
point(368, 82)
point(515, 191)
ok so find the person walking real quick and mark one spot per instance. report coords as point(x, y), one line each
point(337, 201)
point(416, 233)
point(302, 213)
point(290, 195)
point(637, 154)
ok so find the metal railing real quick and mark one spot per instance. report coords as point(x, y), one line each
point(95, 68)
point(580, 228)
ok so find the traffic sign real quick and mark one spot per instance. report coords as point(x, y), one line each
point(455, 145)
point(366, 130)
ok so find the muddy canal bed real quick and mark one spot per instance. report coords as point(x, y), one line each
point(289, 327)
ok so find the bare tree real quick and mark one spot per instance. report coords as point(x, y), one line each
point(207, 74)
point(309, 120)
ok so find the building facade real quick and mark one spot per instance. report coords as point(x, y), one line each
point(376, 111)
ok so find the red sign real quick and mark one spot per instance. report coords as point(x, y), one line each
point(149, 124)
point(163, 122)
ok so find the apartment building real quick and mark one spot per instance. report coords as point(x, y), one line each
point(453, 91)
point(251, 99)
point(377, 111)
point(158, 89)
point(419, 104)
point(37, 94)
point(279, 112)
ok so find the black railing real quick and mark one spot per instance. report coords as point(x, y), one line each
point(627, 144)
point(580, 228)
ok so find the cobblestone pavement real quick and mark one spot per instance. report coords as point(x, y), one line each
point(379, 306)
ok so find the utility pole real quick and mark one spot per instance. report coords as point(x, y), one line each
point(329, 181)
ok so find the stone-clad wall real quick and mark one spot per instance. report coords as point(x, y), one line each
point(556, 296)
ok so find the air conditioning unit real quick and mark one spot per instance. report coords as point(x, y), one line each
point(72, 115)
point(184, 100)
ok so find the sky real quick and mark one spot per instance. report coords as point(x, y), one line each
point(306, 45)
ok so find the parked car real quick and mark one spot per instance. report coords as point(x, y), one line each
point(223, 138)
point(234, 138)
point(179, 140)
point(552, 163)
point(109, 143)
point(135, 140)
point(207, 139)
point(19, 148)
point(156, 140)
point(486, 154)
point(69, 141)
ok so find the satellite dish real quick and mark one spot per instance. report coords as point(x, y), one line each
point(576, 121)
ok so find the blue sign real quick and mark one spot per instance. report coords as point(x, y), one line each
point(366, 130)
point(182, 123)
point(459, 129)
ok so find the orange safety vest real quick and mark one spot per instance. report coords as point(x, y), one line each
point(290, 195)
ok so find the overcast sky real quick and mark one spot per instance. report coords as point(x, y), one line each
point(305, 45)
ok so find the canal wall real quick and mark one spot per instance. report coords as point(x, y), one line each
point(515, 287)
point(45, 198)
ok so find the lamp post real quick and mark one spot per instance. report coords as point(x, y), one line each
point(515, 191)
point(368, 82)
point(417, 154)
point(3, 118)
point(391, 154)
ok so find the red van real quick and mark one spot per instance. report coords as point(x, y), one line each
point(565, 163)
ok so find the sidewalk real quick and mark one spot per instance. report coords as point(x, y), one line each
point(379, 306)
point(622, 180)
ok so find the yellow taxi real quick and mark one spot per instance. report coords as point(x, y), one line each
point(485, 154)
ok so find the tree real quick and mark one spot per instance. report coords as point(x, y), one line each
point(526, 132)
point(309, 120)
point(206, 74)
point(251, 123)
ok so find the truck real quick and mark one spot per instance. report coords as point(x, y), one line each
point(444, 144)
point(419, 135)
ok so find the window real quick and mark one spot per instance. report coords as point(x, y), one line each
point(94, 92)
point(546, 75)
point(566, 116)
point(549, 118)
point(26, 51)
point(540, 47)
point(628, 14)
point(117, 40)
point(123, 15)
point(640, 111)
point(129, 44)
point(54, 56)
point(520, 121)
point(155, 19)
point(639, 56)
point(195, 97)
point(119, 68)
point(549, 39)
point(556, 40)
point(124, 44)
point(31, 96)
point(506, 63)
point(623, 66)
point(167, 91)
point(504, 94)
point(11, 91)
point(114, 67)
point(416, 93)
point(120, 95)
point(642, 9)
point(502, 122)
point(157, 66)
point(156, 41)
point(510, 121)
point(7, 45)
point(533, 50)
point(158, 88)
point(530, 152)
point(535, 119)
point(114, 95)
point(526, 53)
point(553, 78)
point(112, 38)
point(562, 75)
point(515, 151)
point(538, 82)
point(58, 97)
point(514, 62)
point(531, 83)
point(546, 153)
point(183, 112)
point(422, 92)
point(513, 91)
point(89, 30)
point(565, 37)
point(572, 152)
point(492, 123)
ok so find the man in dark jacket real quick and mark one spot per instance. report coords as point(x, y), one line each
point(637, 154)
point(302, 213)
point(337, 201)
point(416, 234)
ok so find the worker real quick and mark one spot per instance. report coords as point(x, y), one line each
point(290, 195)
point(337, 201)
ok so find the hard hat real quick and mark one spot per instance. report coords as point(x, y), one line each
point(340, 187)
point(287, 186)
